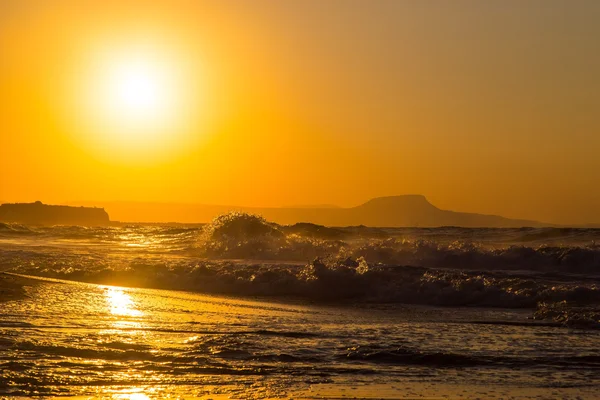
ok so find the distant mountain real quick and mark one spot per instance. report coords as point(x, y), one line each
point(393, 211)
point(416, 210)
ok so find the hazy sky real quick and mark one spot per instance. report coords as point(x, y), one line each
point(483, 106)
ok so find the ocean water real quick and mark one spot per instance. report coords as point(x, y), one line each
point(242, 308)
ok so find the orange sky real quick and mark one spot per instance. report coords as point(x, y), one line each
point(486, 107)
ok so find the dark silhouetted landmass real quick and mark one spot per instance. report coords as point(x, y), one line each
point(394, 211)
point(43, 214)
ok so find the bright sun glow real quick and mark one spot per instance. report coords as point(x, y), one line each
point(139, 95)
point(138, 90)
point(139, 102)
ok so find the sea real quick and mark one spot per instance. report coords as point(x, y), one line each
point(242, 308)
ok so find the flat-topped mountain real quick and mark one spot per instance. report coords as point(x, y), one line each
point(393, 211)
point(43, 214)
point(416, 210)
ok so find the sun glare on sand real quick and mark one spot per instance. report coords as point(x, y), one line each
point(139, 101)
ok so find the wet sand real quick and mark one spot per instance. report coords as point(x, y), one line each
point(393, 391)
point(433, 390)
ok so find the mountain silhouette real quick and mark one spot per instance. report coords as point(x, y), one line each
point(392, 211)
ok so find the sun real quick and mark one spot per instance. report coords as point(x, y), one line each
point(138, 102)
point(138, 89)
point(138, 98)
point(138, 95)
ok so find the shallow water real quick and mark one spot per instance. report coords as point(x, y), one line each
point(382, 315)
point(80, 339)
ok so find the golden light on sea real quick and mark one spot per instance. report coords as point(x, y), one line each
point(120, 303)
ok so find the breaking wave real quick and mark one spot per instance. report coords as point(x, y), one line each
point(243, 254)
point(569, 313)
point(345, 280)
point(15, 229)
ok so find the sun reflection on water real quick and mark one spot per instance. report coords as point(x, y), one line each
point(130, 394)
point(120, 303)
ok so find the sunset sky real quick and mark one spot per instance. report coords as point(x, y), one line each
point(482, 106)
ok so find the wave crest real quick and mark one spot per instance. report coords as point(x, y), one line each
point(333, 280)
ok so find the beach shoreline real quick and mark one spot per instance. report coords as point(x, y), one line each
point(399, 390)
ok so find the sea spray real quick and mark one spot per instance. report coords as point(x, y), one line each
point(245, 255)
